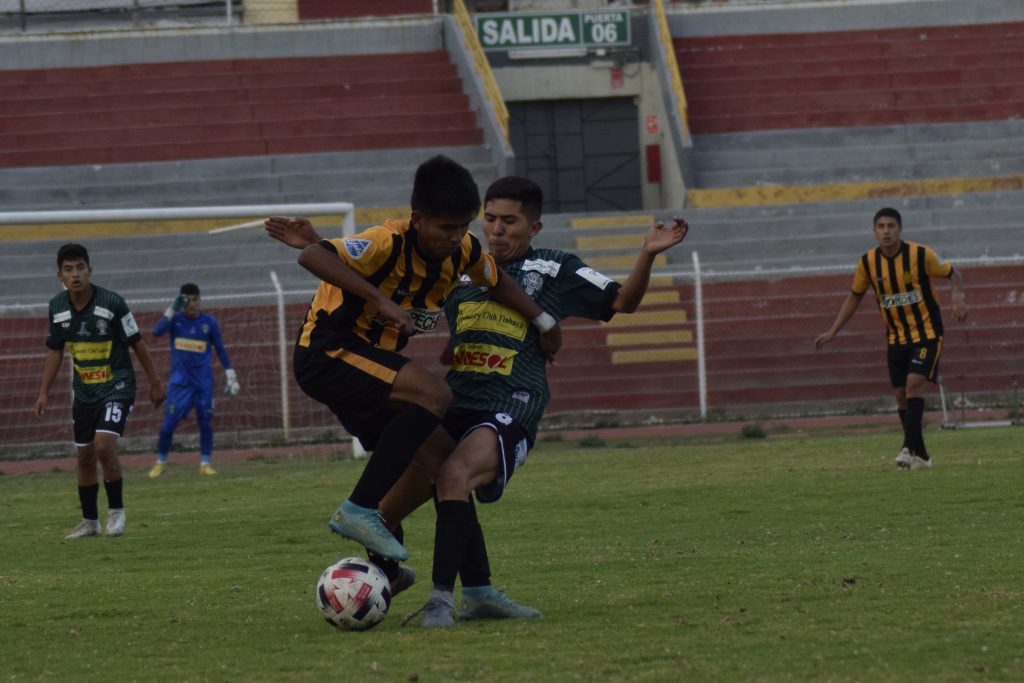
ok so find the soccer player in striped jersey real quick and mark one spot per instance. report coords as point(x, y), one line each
point(901, 275)
point(96, 327)
point(193, 336)
point(378, 288)
point(500, 391)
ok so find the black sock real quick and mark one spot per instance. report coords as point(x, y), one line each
point(915, 429)
point(475, 569)
point(450, 538)
point(115, 495)
point(88, 496)
point(389, 567)
point(903, 421)
point(397, 444)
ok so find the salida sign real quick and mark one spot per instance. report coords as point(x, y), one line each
point(547, 30)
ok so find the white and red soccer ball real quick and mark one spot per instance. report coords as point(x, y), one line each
point(353, 594)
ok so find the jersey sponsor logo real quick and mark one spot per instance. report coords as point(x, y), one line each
point(488, 316)
point(483, 358)
point(129, 326)
point(94, 375)
point(103, 312)
point(356, 248)
point(62, 317)
point(593, 277)
point(542, 266)
point(902, 299)
point(90, 350)
point(424, 319)
point(190, 345)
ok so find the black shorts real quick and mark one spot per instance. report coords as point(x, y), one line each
point(354, 382)
point(513, 445)
point(919, 359)
point(110, 417)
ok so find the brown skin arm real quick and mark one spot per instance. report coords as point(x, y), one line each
point(157, 394)
point(658, 239)
point(51, 365)
point(956, 283)
point(846, 312)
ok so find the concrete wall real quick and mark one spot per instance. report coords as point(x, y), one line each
point(838, 15)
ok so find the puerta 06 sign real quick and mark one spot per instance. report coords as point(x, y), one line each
point(553, 30)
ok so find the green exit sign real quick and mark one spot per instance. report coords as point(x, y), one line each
point(547, 30)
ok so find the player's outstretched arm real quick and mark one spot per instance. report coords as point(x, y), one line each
point(296, 232)
point(50, 368)
point(658, 239)
point(846, 312)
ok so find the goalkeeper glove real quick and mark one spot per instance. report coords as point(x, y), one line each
point(176, 305)
point(231, 385)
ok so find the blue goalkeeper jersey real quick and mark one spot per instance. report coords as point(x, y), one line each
point(192, 340)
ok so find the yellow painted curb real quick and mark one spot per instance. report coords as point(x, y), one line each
point(644, 319)
point(654, 355)
point(664, 337)
point(589, 222)
point(633, 241)
point(841, 192)
point(624, 261)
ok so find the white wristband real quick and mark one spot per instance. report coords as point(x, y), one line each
point(544, 322)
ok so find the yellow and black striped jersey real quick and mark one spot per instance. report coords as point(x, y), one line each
point(387, 257)
point(904, 290)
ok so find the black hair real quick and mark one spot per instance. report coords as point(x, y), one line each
point(189, 289)
point(888, 213)
point(72, 252)
point(522, 190)
point(444, 188)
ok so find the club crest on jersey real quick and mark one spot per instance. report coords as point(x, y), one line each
point(532, 282)
point(355, 247)
point(101, 327)
point(907, 277)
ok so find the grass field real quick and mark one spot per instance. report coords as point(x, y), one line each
point(791, 558)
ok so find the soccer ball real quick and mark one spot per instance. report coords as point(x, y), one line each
point(353, 594)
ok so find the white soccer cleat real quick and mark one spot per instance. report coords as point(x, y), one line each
point(115, 522)
point(87, 527)
point(905, 459)
point(920, 463)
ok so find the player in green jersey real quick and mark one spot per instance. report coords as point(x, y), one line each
point(500, 390)
point(96, 327)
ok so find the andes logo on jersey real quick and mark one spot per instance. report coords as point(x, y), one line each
point(483, 358)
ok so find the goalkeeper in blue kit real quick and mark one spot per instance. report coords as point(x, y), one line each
point(193, 336)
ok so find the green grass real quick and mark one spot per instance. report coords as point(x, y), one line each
point(790, 558)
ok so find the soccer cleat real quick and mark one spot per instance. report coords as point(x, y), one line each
point(405, 580)
point(205, 469)
point(920, 463)
point(905, 459)
point(487, 602)
point(115, 522)
point(157, 469)
point(87, 527)
point(366, 527)
point(438, 612)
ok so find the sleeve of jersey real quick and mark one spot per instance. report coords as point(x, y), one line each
point(364, 252)
point(125, 323)
point(934, 266)
point(480, 266)
point(861, 282)
point(584, 292)
point(54, 338)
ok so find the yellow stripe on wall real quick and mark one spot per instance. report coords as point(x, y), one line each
point(654, 355)
point(838, 192)
point(645, 319)
point(589, 222)
point(650, 338)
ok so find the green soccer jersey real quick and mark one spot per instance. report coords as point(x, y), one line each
point(497, 362)
point(97, 338)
